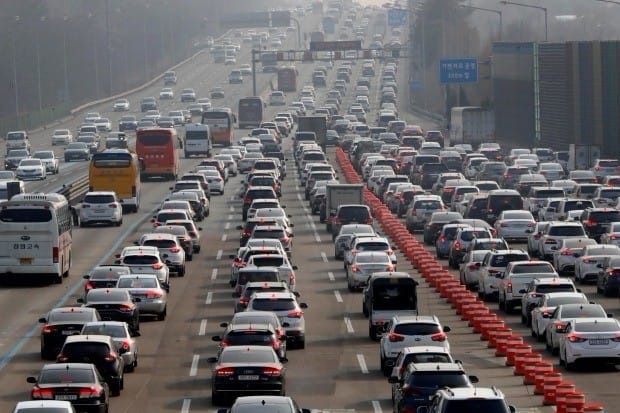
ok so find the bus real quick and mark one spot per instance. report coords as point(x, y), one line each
point(220, 122)
point(251, 112)
point(117, 170)
point(157, 149)
point(197, 140)
point(287, 79)
point(35, 235)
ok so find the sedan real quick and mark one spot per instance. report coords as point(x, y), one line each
point(365, 263)
point(77, 151)
point(290, 312)
point(347, 233)
point(541, 314)
point(150, 294)
point(166, 93)
point(121, 105)
point(68, 381)
point(62, 322)
point(515, 225)
point(188, 95)
point(611, 234)
point(31, 169)
point(14, 157)
point(590, 340)
point(62, 137)
point(562, 314)
point(469, 269)
point(246, 370)
point(217, 93)
point(103, 124)
point(114, 304)
point(49, 160)
point(124, 338)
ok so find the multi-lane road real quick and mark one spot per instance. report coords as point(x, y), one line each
point(338, 369)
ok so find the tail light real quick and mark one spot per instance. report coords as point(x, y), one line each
point(47, 329)
point(126, 345)
point(559, 325)
point(369, 220)
point(157, 266)
point(614, 273)
point(457, 246)
point(509, 287)
point(589, 223)
point(55, 254)
point(244, 301)
point(154, 294)
point(175, 249)
point(90, 392)
point(394, 338)
point(442, 239)
point(472, 266)
point(224, 371)
point(61, 358)
point(531, 224)
point(85, 206)
point(291, 278)
point(507, 176)
point(89, 286)
point(247, 200)
point(354, 252)
point(127, 307)
point(390, 268)
point(503, 225)
point(224, 343)
point(355, 268)
point(155, 224)
point(588, 260)
point(615, 339)
point(275, 343)
point(550, 241)
point(439, 336)
point(39, 393)
point(566, 252)
point(574, 338)
point(598, 168)
point(613, 236)
point(533, 295)
point(272, 371)
point(295, 314)
point(113, 206)
point(112, 356)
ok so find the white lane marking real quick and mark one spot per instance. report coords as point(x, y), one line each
point(299, 197)
point(349, 325)
point(297, 188)
point(203, 327)
point(362, 362)
point(193, 370)
point(218, 256)
point(324, 257)
point(224, 237)
point(317, 238)
point(214, 274)
point(231, 209)
point(227, 225)
point(232, 198)
point(230, 216)
point(338, 296)
point(209, 299)
point(330, 275)
point(376, 406)
point(186, 404)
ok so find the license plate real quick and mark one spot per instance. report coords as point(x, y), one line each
point(66, 397)
point(598, 341)
point(25, 261)
point(247, 377)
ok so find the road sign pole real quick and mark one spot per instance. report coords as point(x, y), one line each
point(253, 72)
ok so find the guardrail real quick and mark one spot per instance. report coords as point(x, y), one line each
point(75, 191)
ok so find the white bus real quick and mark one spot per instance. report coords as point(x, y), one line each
point(197, 140)
point(35, 236)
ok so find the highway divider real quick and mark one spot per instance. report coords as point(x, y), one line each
point(492, 328)
point(75, 191)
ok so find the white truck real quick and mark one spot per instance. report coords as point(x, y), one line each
point(340, 194)
point(197, 140)
point(471, 124)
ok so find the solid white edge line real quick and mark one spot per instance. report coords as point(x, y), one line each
point(230, 216)
point(376, 406)
point(330, 275)
point(214, 274)
point(203, 327)
point(185, 406)
point(193, 370)
point(349, 325)
point(338, 296)
point(324, 257)
point(209, 299)
point(362, 362)
point(231, 209)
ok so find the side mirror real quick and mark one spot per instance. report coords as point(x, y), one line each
point(295, 267)
point(303, 305)
point(424, 409)
point(546, 315)
point(474, 379)
point(393, 380)
point(239, 227)
point(283, 360)
point(122, 350)
point(232, 256)
point(31, 379)
point(522, 291)
point(446, 329)
point(134, 333)
point(42, 320)
point(117, 262)
point(216, 338)
point(529, 231)
point(610, 315)
point(599, 265)
point(236, 295)
point(212, 360)
point(86, 277)
point(510, 407)
point(81, 301)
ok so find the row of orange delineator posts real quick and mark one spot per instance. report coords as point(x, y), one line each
point(525, 361)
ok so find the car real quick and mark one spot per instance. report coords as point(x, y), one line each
point(103, 276)
point(418, 354)
point(103, 124)
point(62, 137)
point(554, 233)
point(406, 331)
point(123, 337)
point(113, 304)
point(166, 93)
point(99, 350)
point(464, 236)
point(277, 98)
point(144, 260)
point(217, 93)
point(120, 105)
point(188, 95)
point(564, 313)
point(445, 239)
point(181, 232)
point(516, 276)
point(597, 220)
point(566, 254)
point(151, 294)
point(100, 207)
point(265, 404)
point(514, 225)
point(61, 322)
point(42, 406)
point(469, 268)
point(127, 122)
point(347, 232)
point(285, 306)
point(164, 215)
point(587, 264)
point(492, 270)
point(364, 242)
point(363, 264)
point(68, 381)
point(192, 231)
point(464, 399)
point(252, 334)
point(31, 169)
point(77, 151)
point(235, 76)
point(421, 209)
point(590, 340)
point(14, 157)
point(170, 249)
point(436, 222)
point(246, 370)
point(605, 167)
point(546, 304)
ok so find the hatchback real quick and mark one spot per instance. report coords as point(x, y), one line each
point(285, 306)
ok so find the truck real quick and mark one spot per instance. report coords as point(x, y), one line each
point(329, 25)
point(317, 36)
point(197, 140)
point(340, 194)
point(316, 124)
point(385, 295)
point(471, 124)
point(269, 61)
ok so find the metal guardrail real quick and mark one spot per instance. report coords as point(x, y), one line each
point(75, 191)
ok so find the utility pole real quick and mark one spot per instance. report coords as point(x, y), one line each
point(108, 44)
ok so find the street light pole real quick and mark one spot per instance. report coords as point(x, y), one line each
point(544, 9)
point(498, 12)
point(15, 85)
point(96, 59)
point(40, 93)
point(64, 54)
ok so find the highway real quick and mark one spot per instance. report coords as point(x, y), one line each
point(338, 370)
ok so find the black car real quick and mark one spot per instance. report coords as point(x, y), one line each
point(14, 157)
point(115, 304)
point(597, 220)
point(246, 370)
point(104, 276)
point(254, 334)
point(127, 123)
point(79, 383)
point(59, 324)
point(257, 192)
point(77, 151)
point(99, 350)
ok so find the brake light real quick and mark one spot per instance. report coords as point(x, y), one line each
point(244, 300)
point(574, 338)
point(126, 307)
point(113, 206)
point(247, 200)
point(439, 336)
point(156, 224)
point(566, 251)
point(613, 236)
point(291, 278)
point(61, 358)
point(390, 268)
point(394, 338)
point(588, 260)
point(507, 176)
point(457, 246)
point(550, 241)
point(224, 371)
point(48, 329)
point(154, 294)
point(503, 225)
point(39, 393)
point(442, 239)
point(112, 356)
point(295, 314)
point(90, 392)
point(126, 345)
point(590, 223)
point(598, 168)
point(472, 266)
point(355, 268)
point(272, 371)
point(157, 266)
point(55, 254)
point(89, 286)
point(615, 339)
point(509, 287)
point(536, 295)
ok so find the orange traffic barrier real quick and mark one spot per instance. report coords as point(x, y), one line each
point(521, 360)
point(518, 350)
point(477, 321)
point(497, 334)
point(575, 402)
point(541, 369)
point(485, 328)
point(560, 396)
point(593, 408)
point(550, 385)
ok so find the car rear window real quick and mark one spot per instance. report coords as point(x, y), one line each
point(612, 163)
point(140, 260)
point(160, 243)
point(372, 246)
point(530, 268)
point(470, 235)
point(503, 259)
point(489, 245)
point(85, 349)
point(98, 199)
point(438, 379)
point(549, 193)
point(597, 327)
point(268, 261)
point(417, 329)
point(261, 193)
point(268, 234)
point(354, 213)
point(241, 338)
point(434, 168)
point(166, 216)
point(605, 216)
point(278, 304)
point(505, 202)
point(71, 375)
point(577, 204)
point(427, 358)
point(427, 205)
point(566, 231)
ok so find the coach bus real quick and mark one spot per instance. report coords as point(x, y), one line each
point(35, 235)
point(221, 123)
point(117, 170)
point(250, 112)
point(287, 79)
point(157, 149)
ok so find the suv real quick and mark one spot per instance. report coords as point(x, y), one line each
point(285, 306)
point(421, 209)
point(170, 249)
point(62, 322)
point(571, 204)
point(462, 240)
point(597, 220)
point(457, 400)
point(406, 331)
point(554, 233)
point(148, 103)
point(261, 334)
point(492, 269)
point(433, 226)
point(144, 260)
point(101, 207)
point(349, 214)
point(500, 200)
point(536, 289)
point(428, 173)
point(99, 350)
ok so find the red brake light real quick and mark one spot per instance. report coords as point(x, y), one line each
point(509, 287)
point(154, 294)
point(39, 393)
point(272, 371)
point(61, 358)
point(439, 336)
point(503, 225)
point(157, 266)
point(566, 251)
point(442, 239)
point(472, 266)
point(224, 371)
point(457, 246)
point(126, 344)
point(175, 249)
point(590, 223)
point(394, 338)
point(355, 268)
point(55, 254)
point(369, 220)
point(111, 356)
point(90, 392)
point(295, 314)
point(47, 329)
point(113, 206)
point(574, 338)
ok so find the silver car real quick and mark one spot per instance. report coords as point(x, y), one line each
point(514, 224)
point(122, 336)
point(144, 260)
point(151, 293)
point(364, 264)
point(290, 312)
point(421, 209)
point(170, 249)
point(347, 232)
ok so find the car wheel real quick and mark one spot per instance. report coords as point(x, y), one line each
point(508, 307)
point(190, 257)
point(162, 316)
point(182, 272)
point(115, 388)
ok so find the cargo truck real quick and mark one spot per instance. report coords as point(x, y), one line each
point(340, 194)
point(471, 124)
point(316, 124)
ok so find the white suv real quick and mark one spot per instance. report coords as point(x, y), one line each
point(492, 270)
point(421, 209)
point(100, 207)
point(468, 399)
point(170, 249)
point(407, 331)
point(144, 260)
point(554, 233)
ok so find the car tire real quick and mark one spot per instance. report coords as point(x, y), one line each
point(190, 257)
point(162, 316)
point(181, 272)
point(115, 388)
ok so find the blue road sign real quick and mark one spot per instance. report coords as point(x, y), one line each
point(397, 17)
point(461, 70)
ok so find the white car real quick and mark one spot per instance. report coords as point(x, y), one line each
point(469, 269)
point(121, 105)
point(34, 406)
point(169, 248)
point(166, 93)
point(590, 339)
point(612, 234)
point(144, 260)
point(229, 162)
point(100, 207)
point(91, 117)
point(277, 97)
point(30, 169)
point(188, 95)
point(62, 137)
point(216, 183)
point(587, 265)
point(564, 313)
point(541, 315)
point(50, 161)
point(103, 124)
